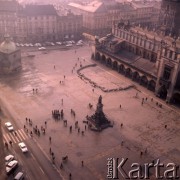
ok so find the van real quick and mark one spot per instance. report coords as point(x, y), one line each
point(19, 176)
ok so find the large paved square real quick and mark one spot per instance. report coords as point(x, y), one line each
point(143, 126)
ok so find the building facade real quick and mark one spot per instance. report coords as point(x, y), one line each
point(142, 55)
point(69, 26)
point(170, 17)
point(37, 23)
point(99, 16)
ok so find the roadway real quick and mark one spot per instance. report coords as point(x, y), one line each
point(34, 163)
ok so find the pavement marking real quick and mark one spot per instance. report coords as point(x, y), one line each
point(12, 137)
point(19, 137)
point(49, 159)
point(41, 170)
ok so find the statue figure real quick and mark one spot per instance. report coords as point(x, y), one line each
point(100, 100)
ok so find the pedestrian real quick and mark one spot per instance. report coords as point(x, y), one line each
point(70, 128)
point(165, 126)
point(122, 143)
point(52, 154)
point(70, 175)
point(45, 123)
point(61, 166)
point(10, 142)
point(121, 125)
point(60, 82)
point(85, 127)
point(50, 139)
point(64, 76)
point(141, 153)
point(82, 163)
point(6, 145)
point(120, 106)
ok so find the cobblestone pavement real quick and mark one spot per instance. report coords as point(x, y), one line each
point(143, 125)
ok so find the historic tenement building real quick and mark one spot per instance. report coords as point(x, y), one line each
point(41, 23)
point(9, 17)
point(69, 26)
point(37, 23)
point(151, 60)
point(99, 16)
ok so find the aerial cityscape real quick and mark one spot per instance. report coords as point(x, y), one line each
point(89, 90)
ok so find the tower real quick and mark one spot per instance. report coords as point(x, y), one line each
point(169, 17)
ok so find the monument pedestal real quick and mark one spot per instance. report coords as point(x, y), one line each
point(99, 120)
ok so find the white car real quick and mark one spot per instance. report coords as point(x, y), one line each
point(19, 176)
point(9, 126)
point(42, 48)
point(79, 44)
point(68, 45)
point(11, 166)
point(9, 158)
point(59, 43)
point(23, 147)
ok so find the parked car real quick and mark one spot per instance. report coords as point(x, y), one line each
point(42, 48)
point(19, 176)
point(79, 44)
point(9, 158)
point(58, 43)
point(68, 45)
point(23, 147)
point(37, 45)
point(9, 126)
point(11, 166)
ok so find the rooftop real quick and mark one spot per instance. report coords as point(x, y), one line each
point(38, 10)
point(95, 6)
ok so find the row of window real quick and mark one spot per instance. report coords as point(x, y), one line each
point(138, 41)
point(42, 18)
point(170, 54)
